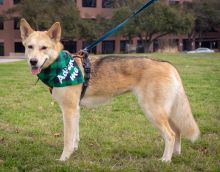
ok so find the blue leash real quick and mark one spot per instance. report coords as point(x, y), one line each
point(146, 5)
point(84, 52)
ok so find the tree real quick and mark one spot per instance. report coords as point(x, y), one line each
point(155, 22)
point(207, 15)
point(129, 29)
point(207, 18)
point(43, 13)
point(91, 29)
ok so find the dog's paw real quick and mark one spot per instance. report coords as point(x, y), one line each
point(166, 160)
point(62, 158)
point(65, 155)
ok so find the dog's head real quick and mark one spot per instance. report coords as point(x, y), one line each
point(41, 47)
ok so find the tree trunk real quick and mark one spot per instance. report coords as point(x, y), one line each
point(141, 45)
point(147, 46)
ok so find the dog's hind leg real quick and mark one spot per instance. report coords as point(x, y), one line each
point(177, 144)
point(169, 138)
point(160, 120)
point(158, 115)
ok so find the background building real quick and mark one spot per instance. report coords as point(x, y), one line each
point(10, 41)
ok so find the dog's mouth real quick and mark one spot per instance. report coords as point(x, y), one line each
point(35, 70)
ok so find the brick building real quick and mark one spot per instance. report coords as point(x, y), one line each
point(10, 41)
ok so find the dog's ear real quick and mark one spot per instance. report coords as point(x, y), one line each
point(55, 32)
point(25, 29)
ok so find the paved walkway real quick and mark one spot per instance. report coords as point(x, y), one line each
point(4, 60)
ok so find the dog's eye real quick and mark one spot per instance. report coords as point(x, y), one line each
point(43, 48)
point(30, 46)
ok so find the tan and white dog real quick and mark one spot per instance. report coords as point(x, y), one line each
point(157, 85)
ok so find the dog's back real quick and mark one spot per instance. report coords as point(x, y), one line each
point(113, 75)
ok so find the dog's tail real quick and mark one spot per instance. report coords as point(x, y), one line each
point(182, 117)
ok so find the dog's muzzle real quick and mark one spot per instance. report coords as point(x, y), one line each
point(33, 61)
point(34, 69)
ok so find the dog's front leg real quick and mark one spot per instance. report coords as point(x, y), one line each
point(77, 139)
point(70, 119)
point(68, 99)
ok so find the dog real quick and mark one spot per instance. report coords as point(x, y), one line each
point(156, 84)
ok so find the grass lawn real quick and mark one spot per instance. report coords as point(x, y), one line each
point(115, 136)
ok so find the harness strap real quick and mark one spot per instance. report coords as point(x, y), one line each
point(87, 71)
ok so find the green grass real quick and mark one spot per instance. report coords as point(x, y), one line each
point(114, 137)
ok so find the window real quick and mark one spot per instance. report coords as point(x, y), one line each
point(1, 23)
point(107, 3)
point(16, 23)
point(123, 46)
point(17, 1)
point(2, 49)
point(187, 45)
point(140, 46)
point(19, 48)
point(69, 46)
point(89, 3)
point(1, 2)
point(108, 47)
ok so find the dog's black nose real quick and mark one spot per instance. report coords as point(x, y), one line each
point(33, 61)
